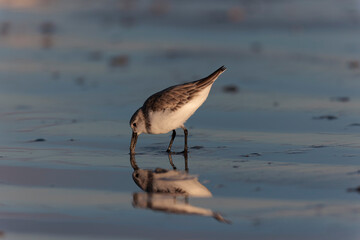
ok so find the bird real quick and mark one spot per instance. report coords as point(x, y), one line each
point(169, 181)
point(173, 182)
point(170, 108)
point(169, 191)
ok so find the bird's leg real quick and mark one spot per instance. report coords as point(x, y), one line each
point(186, 135)
point(186, 162)
point(171, 161)
point(171, 141)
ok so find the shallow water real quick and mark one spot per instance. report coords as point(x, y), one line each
point(276, 167)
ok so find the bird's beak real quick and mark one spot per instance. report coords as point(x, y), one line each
point(133, 142)
point(133, 162)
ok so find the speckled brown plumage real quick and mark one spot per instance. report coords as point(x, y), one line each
point(174, 97)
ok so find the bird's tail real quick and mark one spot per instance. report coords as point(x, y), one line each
point(211, 78)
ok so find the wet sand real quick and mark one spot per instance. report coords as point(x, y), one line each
point(277, 143)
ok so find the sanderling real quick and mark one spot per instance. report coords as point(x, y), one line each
point(170, 108)
point(172, 182)
point(169, 181)
point(169, 191)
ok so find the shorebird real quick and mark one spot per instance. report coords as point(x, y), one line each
point(170, 191)
point(169, 181)
point(172, 182)
point(170, 108)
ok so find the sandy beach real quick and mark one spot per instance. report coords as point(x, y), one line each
point(277, 143)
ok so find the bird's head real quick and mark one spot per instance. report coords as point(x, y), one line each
point(137, 122)
point(143, 178)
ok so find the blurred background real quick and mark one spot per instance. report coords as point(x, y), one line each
point(293, 57)
point(280, 126)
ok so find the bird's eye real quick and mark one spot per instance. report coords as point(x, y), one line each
point(137, 175)
point(134, 124)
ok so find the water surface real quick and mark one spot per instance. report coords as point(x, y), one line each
point(278, 154)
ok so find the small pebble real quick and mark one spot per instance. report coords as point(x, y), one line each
point(159, 7)
point(327, 117)
point(39, 140)
point(4, 28)
point(251, 155)
point(80, 81)
point(240, 160)
point(47, 28)
point(119, 61)
point(236, 14)
point(231, 89)
point(318, 146)
point(353, 64)
point(340, 99)
point(357, 189)
point(356, 172)
point(197, 147)
point(295, 152)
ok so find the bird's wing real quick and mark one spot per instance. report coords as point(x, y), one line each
point(176, 96)
point(171, 98)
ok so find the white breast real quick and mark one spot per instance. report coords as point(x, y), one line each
point(165, 121)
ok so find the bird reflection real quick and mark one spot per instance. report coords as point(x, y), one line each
point(169, 190)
